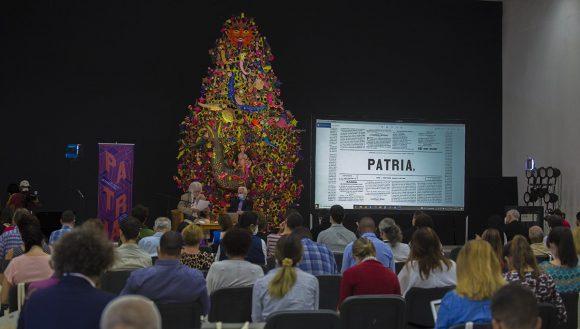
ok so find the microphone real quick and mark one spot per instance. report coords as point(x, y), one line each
point(80, 194)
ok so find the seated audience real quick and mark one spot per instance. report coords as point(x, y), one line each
point(257, 253)
point(33, 265)
point(562, 215)
point(131, 312)
point(292, 220)
point(367, 228)
point(6, 219)
point(427, 267)
point(11, 240)
point(67, 220)
point(478, 278)
point(576, 236)
point(81, 256)
point(336, 237)
point(524, 270)
point(536, 236)
point(150, 244)
point(494, 238)
point(235, 271)
point(317, 259)
point(169, 281)
point(225, 223)
point(420, 219)
point(513, 226)
point(142, 214)
point(553, 222)
point(514, 307)
point(369, 276)
point(129, 256)
point(285, 288)
point(391, 234)
point(564, 267)
point(191, 255)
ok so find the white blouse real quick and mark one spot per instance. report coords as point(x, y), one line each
point(410, 277)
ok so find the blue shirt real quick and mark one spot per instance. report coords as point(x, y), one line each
point(54, 236)
point(150, 243)
point(384, 253)
point(456, 309)
point(317, 259)
point(169, 281)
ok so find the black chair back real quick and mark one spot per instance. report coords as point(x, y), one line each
point(399, 266)
point(454, 253)
point(321, 319)
point(549, 316)
point(180, 315)
point(329, 291)
point(373, 312)
point(338, 259)
point(231, 305)
point(571, 303)
point(474, 326)
point(114, 281)
point(418, 305)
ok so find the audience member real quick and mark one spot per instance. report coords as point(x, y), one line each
point(285, 288)
point(553, 222)
point(142, 214)
point(67, 220)
point(564, 267)
point(81, 257)
point(494, 238)
point(191, 255)
point(6, 219)
point(235, 271)
point(391, 234)
point(478, 278)
point(317, 259)
point(258, 251)
point(576, 236)
point(367, 228)
point(263, 221)
point(131, 312)
point(513, 226)
point(369, 276)
point(427, 267)
point(536, 236)
point(420, 219)
point(169, 281)
point(189, 202)
point(336, 237)
point(524, 270)
point(151, 243)
point(11, 240)
point(292, 220)
point(323, 224)
point(225, 223)
point(514, 307)
point(241, 202)
point(562, 215)
point(129, 256)
point(33, 265)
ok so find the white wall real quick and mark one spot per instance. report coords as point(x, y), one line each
point(541, 91)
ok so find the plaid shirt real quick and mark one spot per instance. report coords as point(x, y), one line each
point(10, 240)
point(55, 235)
point(317, 259)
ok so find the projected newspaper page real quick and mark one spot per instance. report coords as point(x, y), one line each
point(378, 165)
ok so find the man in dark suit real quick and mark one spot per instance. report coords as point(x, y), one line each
point(241, 203)
point(81, 256)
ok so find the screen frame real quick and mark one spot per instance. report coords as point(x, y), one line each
point(381, 119)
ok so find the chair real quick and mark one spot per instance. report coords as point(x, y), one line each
point(471, 325)
point(114, 281)
point(329, 287)
point(399, 266)
point(13, 303)
point(231, 305)
point(570, 300)
point(338, 259)
point(373, 311)
point(321, 319)
point(418, 305)
point(549, 316)
point(454, 253)
point(180, 315)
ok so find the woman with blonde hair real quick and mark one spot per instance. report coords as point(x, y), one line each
point(478, 278)
point(191, 255)
point(285, 287)
point(368, 276)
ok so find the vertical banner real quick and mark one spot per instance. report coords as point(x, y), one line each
point(115, 185)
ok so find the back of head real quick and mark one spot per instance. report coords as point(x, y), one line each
point(247, 219)
point(426, 251)
point(495, 239)
point(424, 220)
point(391, 230)
point(131, 312)
point(521, 256)
point(288, 255)
point(140, 212)
point(170, 244)
point(562, 238)
point(495, 221)
point(162, 224)
point(554, 221)
point(366, 225)
point(192, 235)
point(294, 220)
point(68, 217)
point(30, 231)
point(559, 213)
point(130, 227)
point(301, 233)
point(536, 234)
point(337, 213)
point(225, 222)
point(363, 248)
point(18, 214)
point(84, 250)
point(479, 273)
point(515, 307)
point(237, 242)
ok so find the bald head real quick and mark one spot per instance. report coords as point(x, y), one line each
point(366, 225)
point(131, 312)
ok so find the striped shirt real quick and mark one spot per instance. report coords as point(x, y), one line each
point(55, 235)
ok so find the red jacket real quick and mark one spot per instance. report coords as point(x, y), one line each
point(368, 278)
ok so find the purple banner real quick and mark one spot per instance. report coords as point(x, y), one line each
point(115, 185)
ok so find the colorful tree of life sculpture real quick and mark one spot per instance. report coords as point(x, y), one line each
point(238, 132)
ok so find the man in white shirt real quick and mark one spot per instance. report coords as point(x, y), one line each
point(336, 237)
point(150, 244)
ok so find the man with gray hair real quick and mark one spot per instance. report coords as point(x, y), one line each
point(131, 312)
point(513, 226)
point(537, 244)
point(151, 243)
